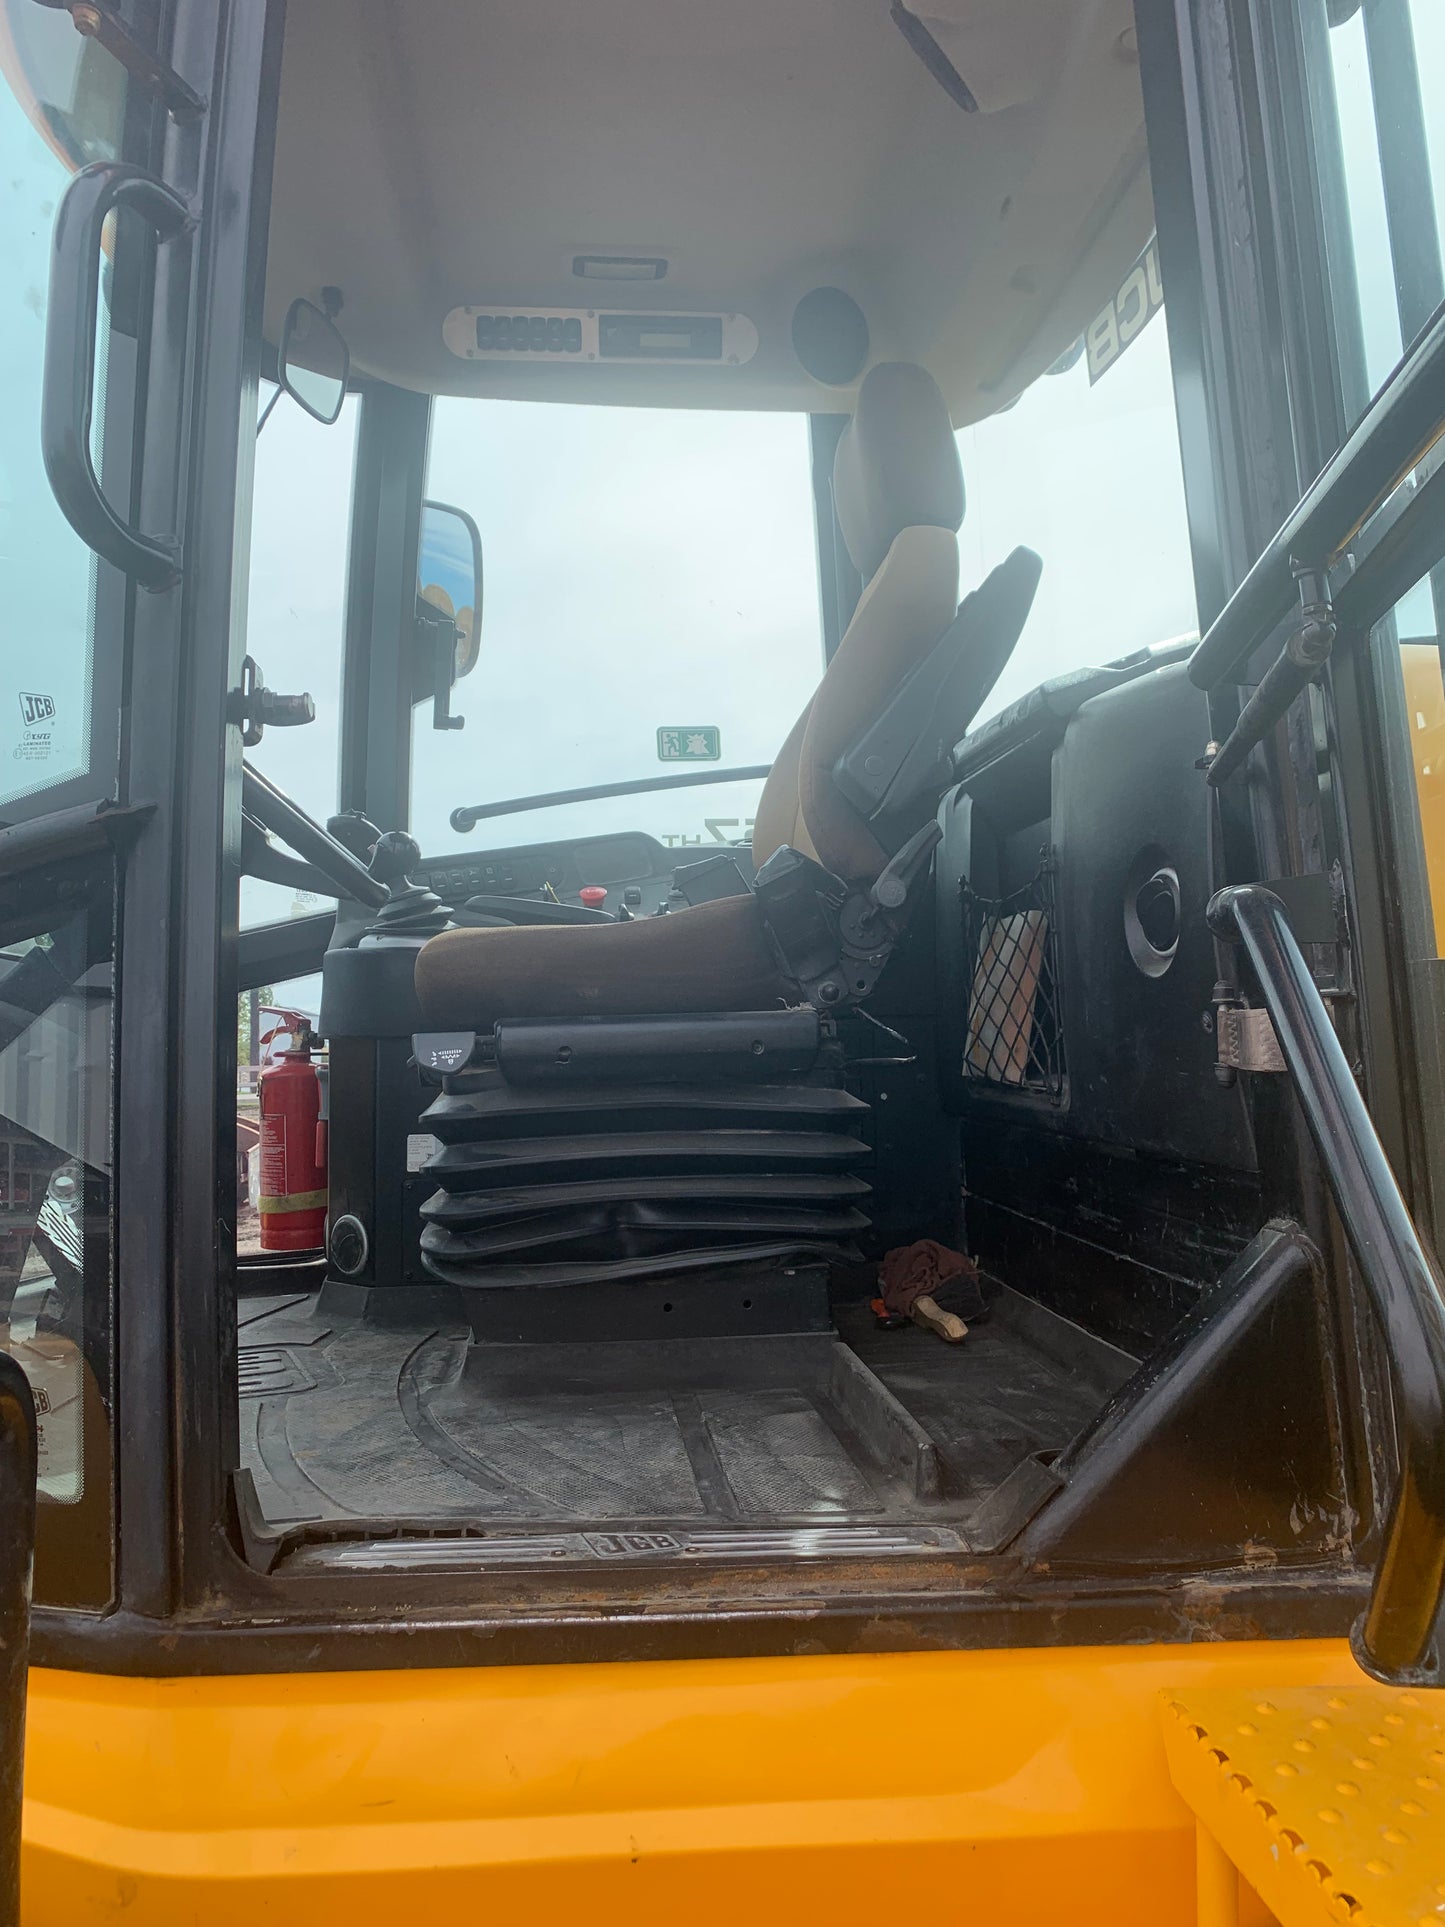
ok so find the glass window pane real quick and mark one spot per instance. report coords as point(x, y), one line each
point(62, 101)
point(1089, 476)
point(646, 570)
point(56, 1010)
point(296, 615)
point(1379, 93)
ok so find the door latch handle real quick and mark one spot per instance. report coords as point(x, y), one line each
point(253, 705)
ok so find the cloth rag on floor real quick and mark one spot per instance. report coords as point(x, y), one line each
point(918, 1270)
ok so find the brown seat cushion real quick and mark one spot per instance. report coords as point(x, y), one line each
point(714, 956)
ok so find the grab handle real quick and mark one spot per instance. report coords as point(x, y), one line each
point(68, 391)
point(1394, 1641)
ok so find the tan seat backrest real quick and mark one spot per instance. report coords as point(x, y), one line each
point(898, 490)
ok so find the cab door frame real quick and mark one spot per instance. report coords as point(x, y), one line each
point(183, 1569)
point(1252, 164)
point(174, 1097)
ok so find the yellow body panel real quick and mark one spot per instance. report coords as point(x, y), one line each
point(1425, 713)
point(1006, 1789)
point(1329, 1802)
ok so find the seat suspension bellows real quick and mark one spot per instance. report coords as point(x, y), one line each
point(611, 1149)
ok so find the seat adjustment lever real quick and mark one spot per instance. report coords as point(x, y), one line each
point(896, 879)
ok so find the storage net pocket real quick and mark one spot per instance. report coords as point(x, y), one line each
point(1015, 1029)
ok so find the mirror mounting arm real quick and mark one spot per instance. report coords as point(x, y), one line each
point(444, 661)
point(99, 20)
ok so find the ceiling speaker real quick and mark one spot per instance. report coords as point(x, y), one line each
point(830, 336)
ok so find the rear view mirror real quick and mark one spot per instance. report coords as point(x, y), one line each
point(448, 606)
point(314, 361)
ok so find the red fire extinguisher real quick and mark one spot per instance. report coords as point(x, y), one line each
point(293, 1143)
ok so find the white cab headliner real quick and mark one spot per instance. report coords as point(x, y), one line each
point(433, 153)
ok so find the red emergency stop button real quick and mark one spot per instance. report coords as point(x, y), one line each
point(593, 895)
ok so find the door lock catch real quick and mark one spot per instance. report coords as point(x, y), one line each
point(253, 706)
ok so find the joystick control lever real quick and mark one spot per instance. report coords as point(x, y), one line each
point(411, 909)
point(355, 833)
point(395, 857)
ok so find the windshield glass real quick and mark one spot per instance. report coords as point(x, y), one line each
point(1085, 469)
point(651, 601)
point(650, 605)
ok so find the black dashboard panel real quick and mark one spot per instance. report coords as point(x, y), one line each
point(1107, 800)
point(623, 860)
point(1119, 1190)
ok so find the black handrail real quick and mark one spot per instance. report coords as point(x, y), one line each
point(1394, 1638)
point(19, 1461)
point(1401, 424)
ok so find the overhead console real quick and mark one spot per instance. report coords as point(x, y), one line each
point(531, 334)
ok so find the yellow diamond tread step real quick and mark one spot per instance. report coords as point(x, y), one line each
point(1329, 1801)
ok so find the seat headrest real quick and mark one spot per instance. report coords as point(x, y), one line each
point(897, 463)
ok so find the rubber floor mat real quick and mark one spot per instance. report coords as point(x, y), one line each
point(779, 1455)
point(344, 1420)
point(602, 1455)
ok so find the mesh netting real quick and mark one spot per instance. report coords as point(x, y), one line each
point(1015, 1029)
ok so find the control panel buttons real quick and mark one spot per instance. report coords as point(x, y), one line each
point(600, 334)
point(529, 334)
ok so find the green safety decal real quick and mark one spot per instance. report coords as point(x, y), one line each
point(689, 745)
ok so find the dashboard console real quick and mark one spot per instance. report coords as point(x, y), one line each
point(633, 868)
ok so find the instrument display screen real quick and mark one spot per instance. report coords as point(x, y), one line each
point(627, 337)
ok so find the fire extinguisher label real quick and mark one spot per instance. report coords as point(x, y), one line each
point(273, 1158)
point(274, 1195)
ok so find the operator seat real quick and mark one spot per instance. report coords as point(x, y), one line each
point(898, 491)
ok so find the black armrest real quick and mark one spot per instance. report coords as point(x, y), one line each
point(906, 756)
point(713, 877)
point(531, 910)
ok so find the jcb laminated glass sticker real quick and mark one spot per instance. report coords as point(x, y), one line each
point(1122, 321)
